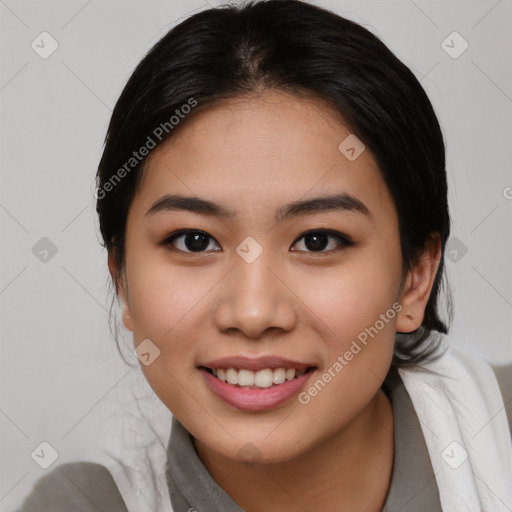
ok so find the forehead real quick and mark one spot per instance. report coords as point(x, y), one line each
point(251, 151)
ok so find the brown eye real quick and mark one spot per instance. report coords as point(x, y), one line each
point(319, 240)
point(189, 241)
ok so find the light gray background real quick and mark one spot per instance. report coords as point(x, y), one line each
point(59, 365)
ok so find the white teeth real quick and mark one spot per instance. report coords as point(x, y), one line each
point(261, 379)
point(290, 373)
point(246, 378)
point(279, 376)
point(232, 376)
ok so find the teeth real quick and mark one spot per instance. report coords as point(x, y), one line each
point(279, 376)
point(261, 379)
point(246, 378)
point(232, 376)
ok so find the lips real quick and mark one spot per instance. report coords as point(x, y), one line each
point(255, 384)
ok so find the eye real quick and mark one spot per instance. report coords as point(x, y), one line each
point(317, 240)
point(196, 241)
point(189, 241)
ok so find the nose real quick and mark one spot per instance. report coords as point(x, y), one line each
point(255, 299)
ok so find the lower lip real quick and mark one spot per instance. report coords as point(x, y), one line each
point(248, 399)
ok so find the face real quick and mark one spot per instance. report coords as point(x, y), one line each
point(264, 279)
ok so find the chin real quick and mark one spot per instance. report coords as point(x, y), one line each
point(259, 448)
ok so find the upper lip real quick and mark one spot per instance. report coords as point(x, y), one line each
point(255, 364)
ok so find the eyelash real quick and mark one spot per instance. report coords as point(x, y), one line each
point(344, 240)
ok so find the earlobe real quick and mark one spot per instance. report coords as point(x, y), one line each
point(120, 291)
point(127, 319)
point(418, 285)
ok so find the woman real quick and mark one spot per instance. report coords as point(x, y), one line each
point(273, 199)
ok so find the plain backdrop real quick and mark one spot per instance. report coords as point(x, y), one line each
point(59, 364)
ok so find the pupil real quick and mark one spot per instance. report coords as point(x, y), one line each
point(316, 241)
point(196, 241)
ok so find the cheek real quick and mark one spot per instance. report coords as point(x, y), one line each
point(359, 307)
point(164, 297)
point(352, 297)
point(166, 305)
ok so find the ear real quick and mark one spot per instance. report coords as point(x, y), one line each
point(418, 285)
point(121, 290)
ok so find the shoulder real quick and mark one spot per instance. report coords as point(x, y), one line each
point(504, 378)
point(463, 372)
point(77, 486)
point(490, 378)
point(485, 372)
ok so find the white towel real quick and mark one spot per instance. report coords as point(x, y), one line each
point(463, 419)
point(134, 442)
point(456, 398)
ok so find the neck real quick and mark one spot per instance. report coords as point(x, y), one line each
point(349, 471)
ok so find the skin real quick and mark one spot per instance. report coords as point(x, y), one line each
point(255, 154)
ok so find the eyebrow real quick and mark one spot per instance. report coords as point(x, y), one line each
point(336, 202)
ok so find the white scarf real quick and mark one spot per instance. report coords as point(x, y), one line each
point(456, 398)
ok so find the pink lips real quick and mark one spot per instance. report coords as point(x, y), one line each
point(249, 399)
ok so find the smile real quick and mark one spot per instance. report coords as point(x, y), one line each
point(255, 384)
point(256, 379)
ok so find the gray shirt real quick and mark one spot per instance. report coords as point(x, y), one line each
point(89, 487)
